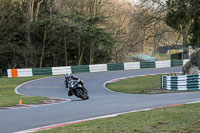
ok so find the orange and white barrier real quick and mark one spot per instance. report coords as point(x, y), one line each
point(27, 72)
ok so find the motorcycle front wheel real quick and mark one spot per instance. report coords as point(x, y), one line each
point(82, 94)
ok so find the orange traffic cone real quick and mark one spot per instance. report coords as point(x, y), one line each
point(20, 101)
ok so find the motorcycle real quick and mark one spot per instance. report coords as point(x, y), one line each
point(76, 88)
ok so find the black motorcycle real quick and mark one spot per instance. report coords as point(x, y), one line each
point(76, 88)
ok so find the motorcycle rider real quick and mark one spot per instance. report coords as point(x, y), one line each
point(69, 78)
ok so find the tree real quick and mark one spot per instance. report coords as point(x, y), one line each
point(91, 37)
point(89, 15)
point(184, 17)
point(179, 18)
point(147, 29)
point(11, 34)
point(195, 30)
point(118, 21)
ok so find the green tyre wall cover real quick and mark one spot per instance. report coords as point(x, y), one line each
point(148, 64)
point(175, 63)
point(115, 66)
point(80, 69)
point(42, 71)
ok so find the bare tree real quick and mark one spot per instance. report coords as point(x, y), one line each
point(149, 18)
point(29, 20)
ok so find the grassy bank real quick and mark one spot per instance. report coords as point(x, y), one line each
point(8, 97)
point(180, 119)
point(141, 85)
point(137, 85)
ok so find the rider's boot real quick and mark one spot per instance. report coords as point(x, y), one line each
point(70, 93)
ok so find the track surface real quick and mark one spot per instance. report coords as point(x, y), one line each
point(102, 102)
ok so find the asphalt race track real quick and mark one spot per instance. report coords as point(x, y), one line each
point(102, 101)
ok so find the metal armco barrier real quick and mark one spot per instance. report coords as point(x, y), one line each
point(181, 82)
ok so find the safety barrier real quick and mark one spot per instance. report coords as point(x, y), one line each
point(80, 69)
point(175, 63)
point(61, 70)
point(148, 64)
point(115, 66)
point(182, 82)
point(42, 71)
point(163, 64)
point(98, 68)
point(131, 65)
point(27, 72)
point(92, 68)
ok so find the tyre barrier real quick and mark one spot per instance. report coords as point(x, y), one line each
point(27, 72)
point(180, 82)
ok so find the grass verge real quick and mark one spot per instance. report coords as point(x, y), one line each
point(8, 97)
point(149, 84)
point(137, 85)
point(180, 119)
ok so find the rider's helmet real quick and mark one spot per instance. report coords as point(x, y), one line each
point(66, 75)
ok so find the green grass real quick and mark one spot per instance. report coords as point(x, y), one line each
point(141, 85)
point(8, 97)
point(137, 85)
point(181, 119)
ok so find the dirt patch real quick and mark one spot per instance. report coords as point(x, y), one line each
point(159, 90)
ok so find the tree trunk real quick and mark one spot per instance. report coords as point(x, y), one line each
point(91, 53)
point(185, 35)
point(65, 43)
point(81, 56)
point(79, 50)
point(29, 19)
point(43, 48)
point(38, 9)
point(116, 56)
